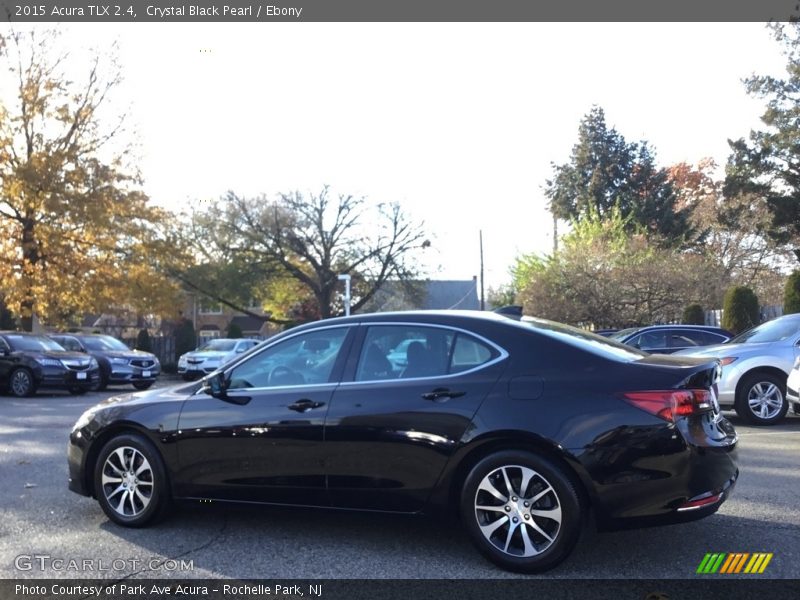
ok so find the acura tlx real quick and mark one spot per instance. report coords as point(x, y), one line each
point(522, 427)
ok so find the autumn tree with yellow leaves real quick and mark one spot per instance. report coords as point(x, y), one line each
point(77, 234)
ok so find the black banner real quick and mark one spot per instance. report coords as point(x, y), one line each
point(730, 588)
point(400, 10)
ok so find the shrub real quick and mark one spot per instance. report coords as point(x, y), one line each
point(791, 294)
point(740, 309)
point(234, 331)
point(143, 341)
point(185, 338)
point(694, 315)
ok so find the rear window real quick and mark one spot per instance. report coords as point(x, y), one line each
point(585, 340)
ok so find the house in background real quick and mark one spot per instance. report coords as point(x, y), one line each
point(212, 319)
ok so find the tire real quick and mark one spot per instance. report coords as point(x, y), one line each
point(130, 462)
point(21, 383)
point(143, 385)
point(78, 391)
point(761, 399)
point(102, 382)
point(537, 542)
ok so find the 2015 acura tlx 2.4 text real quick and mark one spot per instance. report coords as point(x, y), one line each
point(522, 426)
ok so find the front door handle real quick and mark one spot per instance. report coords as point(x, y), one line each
point(441, 395)
point(305, 405)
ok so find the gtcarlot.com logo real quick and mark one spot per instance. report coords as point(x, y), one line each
point(732, 563)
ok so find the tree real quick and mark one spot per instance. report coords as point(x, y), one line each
point(606, 172)
point(6, 318)
point(143, 341)
point(72, 216)
point(731, 231)
point(740, 309)
point(693, 315)
point(185, 337)
point(768, 164)
point(791, 296)
point(603, 275)
point(234, 331)
point(297, 245)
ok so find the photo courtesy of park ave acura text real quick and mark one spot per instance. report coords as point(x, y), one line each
point(287, 308)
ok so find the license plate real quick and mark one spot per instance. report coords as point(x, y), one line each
point(81, 375)
point(145, 373)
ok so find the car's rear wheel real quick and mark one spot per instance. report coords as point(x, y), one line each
point(521, 510)
point(130, 481)
point(21, 383)
point(142, 385)
point(761, 399)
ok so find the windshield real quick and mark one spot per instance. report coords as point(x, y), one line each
point(102, 343)
point(32, 343)
point(592, 342)
point(217, 346)
point(771, 331)
point(623, 333)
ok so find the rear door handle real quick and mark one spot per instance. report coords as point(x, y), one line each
point(441, 395)
point(305, 405)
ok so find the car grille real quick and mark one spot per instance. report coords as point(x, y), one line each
point(76, 365)
point(143, 362)
point(195, 361)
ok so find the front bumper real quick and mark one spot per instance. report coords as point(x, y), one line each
point(62, 378)
point(122, 374)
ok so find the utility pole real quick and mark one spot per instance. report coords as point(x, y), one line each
point(483, 302)
point(346, 279)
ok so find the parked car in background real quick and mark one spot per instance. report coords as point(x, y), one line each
point(667, 339)
point(119, 365)
point(521, 427)
point(755, 367)
point(29, 362)
point(211, 356)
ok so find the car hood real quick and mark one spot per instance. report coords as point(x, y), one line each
point(63, 355)
point(206, 354)
point(725, 350)
point(125, 354)
point(173, 393)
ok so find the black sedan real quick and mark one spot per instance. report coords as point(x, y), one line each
point(666, 339)
point(29, 362)
point(520, 427)
point(119, 365)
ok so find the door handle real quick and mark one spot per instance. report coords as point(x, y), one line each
point(441, 395)
point(305, 405)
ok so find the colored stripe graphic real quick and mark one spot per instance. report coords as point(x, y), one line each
point(736, 562)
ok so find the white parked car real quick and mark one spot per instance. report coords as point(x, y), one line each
point(211, 356)
point(755, 368)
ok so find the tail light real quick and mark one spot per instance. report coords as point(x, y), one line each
point(671, 404)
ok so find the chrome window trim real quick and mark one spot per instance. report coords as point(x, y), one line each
point(502, 354)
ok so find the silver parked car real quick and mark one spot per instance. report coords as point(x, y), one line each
point(211, 356)
point(755, 366)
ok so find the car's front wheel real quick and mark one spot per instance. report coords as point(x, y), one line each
point(521, 510)
point(21, 383)
point(130, 481)
point(761, 399)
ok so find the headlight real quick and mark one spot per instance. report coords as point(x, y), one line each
point(796, 363)
point(118, 361)
point(182, 361)
point(728, 360)
point(84, 419)
point(49, 362)
point(93, 363)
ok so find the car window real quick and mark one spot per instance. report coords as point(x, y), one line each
point(104, 343)
point(650, 340)
point(32, 343)
point(771, 331)
point(408, 351)
point(3, 345)
point(304, 359)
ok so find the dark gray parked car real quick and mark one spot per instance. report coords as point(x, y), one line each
point(666, 339)
point(119, 365)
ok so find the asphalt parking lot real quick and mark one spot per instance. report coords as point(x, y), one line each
point(40, 517)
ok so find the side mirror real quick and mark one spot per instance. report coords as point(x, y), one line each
point(4, 352)
point(214, 385)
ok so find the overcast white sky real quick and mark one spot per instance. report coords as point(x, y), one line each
point(457, 122)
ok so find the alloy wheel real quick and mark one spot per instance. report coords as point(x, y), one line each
point(127, 481)
point(518, 510)
point(765, 400)
point(21, 383)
